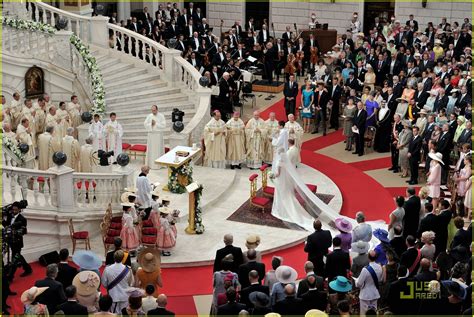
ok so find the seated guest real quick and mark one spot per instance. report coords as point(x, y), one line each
point(285, 275)
point(105, 303)
point(232, 307)
point(66, 272)
point(29, 300)
point(109, 258)
point(161, 310)
point(54, 295)
point(71, 307)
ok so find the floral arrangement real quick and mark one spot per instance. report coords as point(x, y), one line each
point(178, 175)
point(9, 144)
point(198, 226)
point(28, 25)
point(98, 91)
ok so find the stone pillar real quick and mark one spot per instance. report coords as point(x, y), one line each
point(62, 39)
point(171, 73)
point(80, 7)
point(176, 139)
point(63, 184)
point(99, 31)
point(127, 176)
point(123, 8)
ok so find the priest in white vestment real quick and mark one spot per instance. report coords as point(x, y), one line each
point(256, 134)
point(96, 133)
point(74, 109)
point(23, 135)
point(235, 141)
point(272, 131)
point(293, 153)
point(64, 120)
point(295, 130)
point(214, 141)
point(29, 113)
point(15, 110)
point(53, 121)
point(40, 116)
point(144, 188)
point(87, 158)
point(113, 135)
point(8, 133)
point(44, 144)
point(6, 115)
point(155, 121)
point(72, 149)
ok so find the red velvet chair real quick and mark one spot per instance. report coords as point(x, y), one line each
point(138, 150)
point(259, 202)
point(126, 147)
point(267, 190)
point(78, 236)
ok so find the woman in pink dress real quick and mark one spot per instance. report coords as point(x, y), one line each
point(155, 205)
point(129, 233)
point(167, 232)
point(434, 177)
point(468, 197)
point(462, 176)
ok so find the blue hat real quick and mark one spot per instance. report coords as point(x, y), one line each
point(341, 284)
point(87, 260)
point(454, 288)
point(382, 235)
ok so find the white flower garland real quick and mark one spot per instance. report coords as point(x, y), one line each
point(98, 91)
point(13, 148)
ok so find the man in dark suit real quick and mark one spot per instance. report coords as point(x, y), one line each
point(263, 35)
point(335, 92)
point(317, 245)
point(463, 100)
point(251, 265)
point(359, 122)
point(443, 219)
point(397, 87)
point(414, 155)
point(269, 58)
point(425, 63)
point(398, 305)
point(254, 286)
point(236, 253)
point(428, 222)
point(161, 310)
point(303, 285)
point(381, 70)
point(425, 274)
point(287, 35)
point(66, 272)
point(232, 307)
point(54, 295)
point(412, 23)
point(412, 208)
point(338, 262)
point(109, 258)
point(461, 237)
point(71, 307)
point(444, 147)
point(290, 92)
point(398, 242)
point(290, 306)
point(315, 297)
point(320, 102)
point(411, 257)
point(466, 134)
point(420, 96)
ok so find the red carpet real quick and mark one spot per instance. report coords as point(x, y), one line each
point(400, 191)
point(375, 164)
point(323, 141)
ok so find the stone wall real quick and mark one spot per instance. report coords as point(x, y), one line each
point(227, 11)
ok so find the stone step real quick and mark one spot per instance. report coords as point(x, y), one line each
point(120, 90)
point(144, 94)
point(114, 69)
point(126, 75)
point(123, 105)
point(137, 79)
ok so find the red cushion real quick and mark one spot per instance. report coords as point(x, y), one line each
point(79, 185)
point(126, 146)
point(113, 233)
point(80, 235)
point(41, 179)
point(167, 149)
point(263, 167)
point(147, 223)
point(149, 239)
point(269, 190)
point(252, 177)
point(117, 219)
point(138, 148)
point(149, 231)
point(109, 240)
point(312, 187)
point(115, 225)
point(260, 201)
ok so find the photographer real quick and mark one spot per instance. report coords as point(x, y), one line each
point(15, 224)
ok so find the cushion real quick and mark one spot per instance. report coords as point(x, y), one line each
point(113, 233)
point(263, 167)
point(312, 187)
point(115, 225)
point(117, 219)
point(260, 201)
point(109, 240)
point(269, 190)
point(149, 239)
point(138, 148)
point(79, 185)
point(149, 231)
point(126, 146)
point(80, 235)
point(252, 177)
point(147, 223)
point(167, 149)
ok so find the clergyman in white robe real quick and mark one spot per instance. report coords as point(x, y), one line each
point(255, 132)
point(96, 133)
point(72, 149)
point(215, 141)
point(88, 162)
point(144, 188)
point(154, 123)
point(113, 134)
point(23, 135)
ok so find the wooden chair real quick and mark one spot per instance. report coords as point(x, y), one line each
point(267, 190)
point(259, 202)
point(79, 236)
point(106, 240)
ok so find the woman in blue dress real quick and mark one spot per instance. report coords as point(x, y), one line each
point(306, 103)
point(370, 106)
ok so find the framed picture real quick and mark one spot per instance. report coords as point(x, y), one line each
point(34, 82)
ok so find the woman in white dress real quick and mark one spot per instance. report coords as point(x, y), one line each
point(434, 177)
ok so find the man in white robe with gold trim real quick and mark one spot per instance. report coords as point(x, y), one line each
point(214, 141)
point(235, 141)
point(23, 135)
point(29, 112)
point(8, 133)
point(65, 120)
point(113, 134)
point(272, 131)
point(96, 133)
point(87, 158)
point(15, 110)
point(295, 130)
point(72, 149)
point(40, 116)
point(44, 145)
point(52, 120)
point(74, 109)
point(256, 134)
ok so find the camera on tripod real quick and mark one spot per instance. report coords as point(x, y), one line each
point(7, 210)
point(104, 157)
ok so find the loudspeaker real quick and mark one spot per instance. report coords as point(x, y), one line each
point(49, 258)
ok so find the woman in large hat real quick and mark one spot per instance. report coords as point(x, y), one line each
point(149, 271)
point(252, 242)
point(341, 288)
point(29, 300)
point(129, 233)
point(345, 229)
point(167, 232)
point(404, 139)
point(87, 284)
point(382, 247)
point(434, 177)
point(87, 261)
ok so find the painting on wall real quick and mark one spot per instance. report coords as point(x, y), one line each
point(34, 82)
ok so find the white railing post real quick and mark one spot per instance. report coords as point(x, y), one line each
point(99, 31)
point(169, 65)
point(63, 187)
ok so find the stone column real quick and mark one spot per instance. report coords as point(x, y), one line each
point(127, 176)
point(170, 71)
point(63, 188)
point(123, 8)
point(99, 31)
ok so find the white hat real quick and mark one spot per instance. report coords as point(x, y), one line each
point(437, 41)
point(433, 92)
point(286, 274)
point(126, 204)
point(124, 196)
point(164, 210)
point(436, 157)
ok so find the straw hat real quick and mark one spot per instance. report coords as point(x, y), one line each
point(252, 241)
point(437, 42)
point(436, 157)
point(156, 192)
point(315, 313)
point(164, 210)
point(86, 283)
point(126, 204)
point(423, 111)
point(28, 296)
point(360, 247)
point(341, 284)
point(87, 260)
point(131, 189)
point(166, 197)
point(125, 195)
point(407, 123)
point(286, 274)
point(343, 225)
point(149, 259)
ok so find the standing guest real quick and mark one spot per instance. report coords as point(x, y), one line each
point(260, 302)
point(105, 303)
point(363, 231)
point(161, 310)
point(358, 126)
point(232, 307)
point(270, 276)
point(403, 141)
point(317, 245)
point(338, 262)
point(149, 272)
point(235, 141)
point(462, 237)
point(116, 279)
point(286, 275)
point(254, 286)
point(371, 107)
point(434, 177)
point(167, 233)
point(129, 233)
point(290, 305)
point(429, 249)
point(290, 92)
point(462, 176)
point(219, 281)
point(389, 276)
point(429, 221)
point(411, 257)
point(87, 283)
point(396, 216)
point(96, 133)
point(149, 301)
point(398, 242)
point(397, 129)
point(345, 228)
point(340, 288)
point(303, 284)
point(414, 155)
point(320, 105)
point(335, 93)
point(134, 307)
point(31, 304)
point(113, 134)
point(397, 305)
point(443, 220)
point(468, 197)
point(236, 253)
point(144, 188)
point(444, 147)
point(54, 294)
point(252, 242)
point(252, 264)
point(66, 272)
point(368, 281)
point(383, 128)
point(71, 307)
point(307, 96)
point(109, 258)
point(362, 259)
point(214, 141)
point(348, 114)
point(384, 245)
point(412, 208)
point(314, 297)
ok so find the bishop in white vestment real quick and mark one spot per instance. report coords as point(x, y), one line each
point(155, 121)
point(74, 109)
point(23, 135)
point(214, 140)
point(295, 130)
point(44, 144)
point(256, 134)
point(15, 110)
point(272, 131)
point(113, 135)
point(96, 133)
point(235, 141)
point(72, 149)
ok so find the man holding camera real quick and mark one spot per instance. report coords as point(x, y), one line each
point(16, 223)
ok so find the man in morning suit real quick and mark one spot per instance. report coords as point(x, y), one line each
point(71, 307)
point(414, 155)
point(338, 262)
point(251, 265)
point(232, 307)
point(335, 92)
point(320, 102)
point(412, 208)
point(290, 92)
point(359, 122)
point(254, 286)
point(444, 147)
point(109, 258)
point(54, 295)
point(161, 310)
point(317, 245)
point(236, 253)
point(66, 272)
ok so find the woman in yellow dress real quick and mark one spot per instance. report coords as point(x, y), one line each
point(438, 49)
point(369, 79)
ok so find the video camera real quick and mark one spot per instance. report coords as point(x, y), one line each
point(9, 232)
point(177, 115)
point(104, 157)
point(8, 209)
